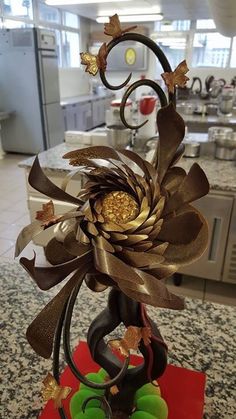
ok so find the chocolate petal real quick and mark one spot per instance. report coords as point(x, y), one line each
point(171, 129)
point(97, 282)
point(96, 152)
point(47, 278)
point(56, 253)
point(141, 259)
point(26, 235)
point(173, 178)
point(40, 333)
point(110, 265)
point(184, 254)
point(194, 186)
point(153, 292)
point(74, 247)
point(181, 229)
point(165, 270)
point(39, 181)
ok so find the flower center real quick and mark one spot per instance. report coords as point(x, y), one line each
point(119, 207)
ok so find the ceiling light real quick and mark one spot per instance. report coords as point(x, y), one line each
point(132, 18)
point(77, 2)
point(131, 11)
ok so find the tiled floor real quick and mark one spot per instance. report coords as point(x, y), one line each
point(14, 216)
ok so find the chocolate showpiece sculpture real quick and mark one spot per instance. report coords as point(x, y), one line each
point(132, 227)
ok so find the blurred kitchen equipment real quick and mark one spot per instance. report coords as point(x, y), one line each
point(215, 88)
point(113, 114)
point(198, 80)
point(226, 101)
point(118, 137)
point(208, 81)
point(186, 108)
point(219, 132)
point(192, 148)
point(200, 108)
point(211, 109)
point(225, 146)
point(147, 111)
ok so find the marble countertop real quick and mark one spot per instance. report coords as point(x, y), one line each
point(210, 119)
point(221, 174)
point(201, 337)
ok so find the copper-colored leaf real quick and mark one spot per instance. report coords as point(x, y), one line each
point(47, 215)
point(120, 345)
point(53, 391)
point(102, 57)
point(176, 77)
point(146, 335)
point(113, 28)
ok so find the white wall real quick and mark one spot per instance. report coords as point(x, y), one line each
point(73, 82)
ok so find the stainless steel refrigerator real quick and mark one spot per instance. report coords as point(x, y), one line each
point(29, 87)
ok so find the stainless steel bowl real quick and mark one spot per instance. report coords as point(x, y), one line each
point(225, 147)
point(192, 149)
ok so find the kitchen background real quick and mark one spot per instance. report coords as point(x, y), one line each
point(49, 104)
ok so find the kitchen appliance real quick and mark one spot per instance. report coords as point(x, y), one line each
point(118, 137)
point(226, 101)
point(225, 147)
point(29, 86)
point(113, 114)
point(192, 148)
point(147, 112)
point(219, 132)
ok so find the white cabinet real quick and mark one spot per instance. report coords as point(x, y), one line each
point(217, 210)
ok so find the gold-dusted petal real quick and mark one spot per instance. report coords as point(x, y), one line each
point(143, 247)
point(141, 259)
point(108, 264)
point(91, 228)
point(194, 186)
point(81, 236)
point(164, 270)
point(150, 221)
point(96, 152)
point(145, 230)
point(173, 178)
point(152, 292)
point(87, 211)
point(137, 160)
point(103, 244)
point(182, 228)
point(171, 129)
point(110, 227)
point(26, 235)
point(133, 239)
point(115, 236)
point(56, 253)
point(40, 333)
point(184, 254)
point(159, 206)
point(159, 249)
point(156, 230)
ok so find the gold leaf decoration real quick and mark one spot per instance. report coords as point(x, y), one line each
point(176, 77)
point(95, 62)
point(113, 28)
point(131, 340)
point(53, 391)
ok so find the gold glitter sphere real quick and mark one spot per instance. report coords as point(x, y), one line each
point(119, 207)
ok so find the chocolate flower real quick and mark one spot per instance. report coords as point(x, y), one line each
point(133, 226)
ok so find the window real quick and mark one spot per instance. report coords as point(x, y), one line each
point(70, 48)
point(233, 54)
point(174, 48)
point(12, 24)
point(71, 20)
point(49, 14)
point(205, 24)
point(18, 8)
point(175, 25)
point(210, 50)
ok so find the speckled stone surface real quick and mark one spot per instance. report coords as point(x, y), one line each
point(202, 337)
point(221, 174)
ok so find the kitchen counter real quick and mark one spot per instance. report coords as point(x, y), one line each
point(199, 123)
point(84, 98)
point(201, 337)
point(221, 174)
